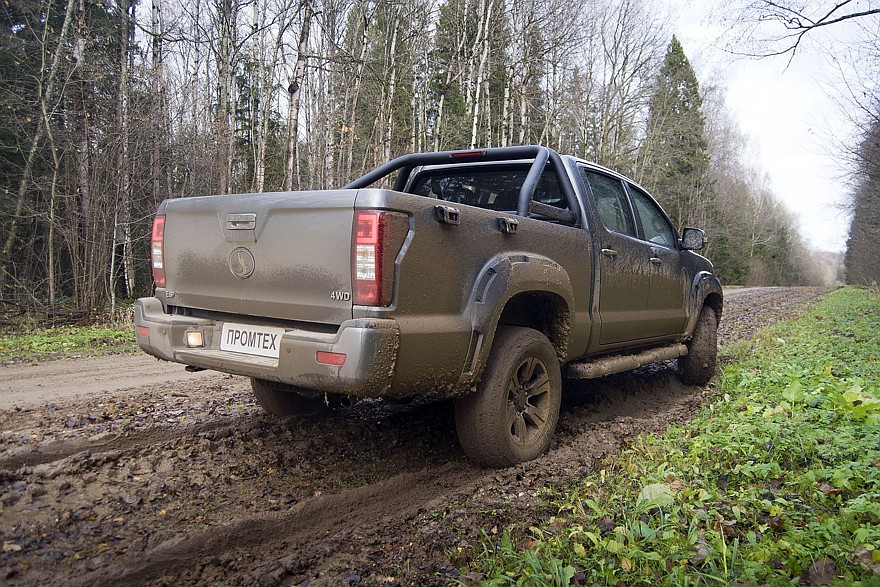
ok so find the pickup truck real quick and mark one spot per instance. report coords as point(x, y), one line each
point(486, 276)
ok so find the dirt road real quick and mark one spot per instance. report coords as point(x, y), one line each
point(124, 470)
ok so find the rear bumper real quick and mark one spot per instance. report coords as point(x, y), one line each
point(370, 346)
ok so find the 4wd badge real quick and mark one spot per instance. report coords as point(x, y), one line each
point(340, 296)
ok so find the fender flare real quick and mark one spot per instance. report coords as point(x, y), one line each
point(501, 279)
point(705, 287)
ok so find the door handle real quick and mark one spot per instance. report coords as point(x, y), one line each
point(447, 215)
point(507, 225)
point(610, 253)
point(656, 261)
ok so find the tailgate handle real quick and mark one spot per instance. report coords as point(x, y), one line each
point(241, 221)
point(508, 225)
point(446, 215)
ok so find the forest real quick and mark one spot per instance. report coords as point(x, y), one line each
point(110, 106)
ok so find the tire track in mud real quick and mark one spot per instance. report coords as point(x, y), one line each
point(377, 492)
point(398, 495)
point(116, 442)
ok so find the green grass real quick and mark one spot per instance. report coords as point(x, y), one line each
point(36, 344)
point(780, 472)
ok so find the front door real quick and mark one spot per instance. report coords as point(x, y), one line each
point(666, 309)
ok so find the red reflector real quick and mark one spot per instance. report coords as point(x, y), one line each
point(326, 358)
point(367, 228)
point(143, 330)
point(467, 154)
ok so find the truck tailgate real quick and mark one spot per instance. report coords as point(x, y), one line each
point(273, 255)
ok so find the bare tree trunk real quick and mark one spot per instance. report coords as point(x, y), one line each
point(356, 95)
point(53, 197)
point(122, 214)
point(82, 240)
point(386, 133)
point(46, 90)
point(161, 124)
point(294, 90)
point(228, 17)
point(483, 36)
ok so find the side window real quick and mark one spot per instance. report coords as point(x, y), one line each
point(611, 202)
point(652, 221)
point(548, 191)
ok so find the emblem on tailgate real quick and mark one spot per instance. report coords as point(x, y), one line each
point(241, 263)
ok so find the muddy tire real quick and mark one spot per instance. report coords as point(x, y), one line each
point(280, 399)
point(511, 417)
point(698, 366)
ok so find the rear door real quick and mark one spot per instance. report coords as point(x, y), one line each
point(624, 267)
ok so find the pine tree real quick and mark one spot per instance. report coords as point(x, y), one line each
point(675, 155)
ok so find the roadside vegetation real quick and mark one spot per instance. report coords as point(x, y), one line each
point(35, 343)
point(776, 482)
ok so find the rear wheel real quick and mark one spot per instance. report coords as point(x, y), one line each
point(281, 399)
point(511, 417)
point(698, 366)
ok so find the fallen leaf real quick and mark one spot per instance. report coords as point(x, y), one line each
point(673, 483)
point(703, 550)
point(656, 495)
point(865, 559)
point(821, 572)
point(828, 489)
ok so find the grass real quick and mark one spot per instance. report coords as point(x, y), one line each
point(776, 481)
point(38, 344)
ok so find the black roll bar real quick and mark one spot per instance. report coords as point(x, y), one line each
point(539, 154)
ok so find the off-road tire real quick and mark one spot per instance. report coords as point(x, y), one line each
point(698, 366)
point(511, 417)
point(280, 399)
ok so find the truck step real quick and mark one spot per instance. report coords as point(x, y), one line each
point(618, 363)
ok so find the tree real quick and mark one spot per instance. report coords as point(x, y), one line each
point(862, 261)
point(674, 155)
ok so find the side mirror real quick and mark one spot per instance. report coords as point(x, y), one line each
point(693, 239)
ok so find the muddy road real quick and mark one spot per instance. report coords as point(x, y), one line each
point(124, 470)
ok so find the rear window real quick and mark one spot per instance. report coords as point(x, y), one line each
point(495, 188)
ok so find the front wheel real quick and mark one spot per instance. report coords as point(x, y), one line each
point(280, 399)
point(511, 417)
point(698, 366)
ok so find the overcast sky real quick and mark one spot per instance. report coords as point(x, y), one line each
point(791, 113)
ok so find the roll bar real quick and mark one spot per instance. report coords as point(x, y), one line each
point(539, 155)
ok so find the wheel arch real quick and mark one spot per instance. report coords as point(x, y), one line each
point(705, 291)
point(519, 290)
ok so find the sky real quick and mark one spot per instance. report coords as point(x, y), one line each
point(789, 111)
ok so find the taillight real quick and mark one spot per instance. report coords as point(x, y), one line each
point(377, 238)
point(158, 250)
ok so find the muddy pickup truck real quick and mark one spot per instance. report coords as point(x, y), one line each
point(486, 276)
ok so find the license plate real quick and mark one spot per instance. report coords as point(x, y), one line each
point(264, 341)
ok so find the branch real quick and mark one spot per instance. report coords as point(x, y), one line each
point(800, 24)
